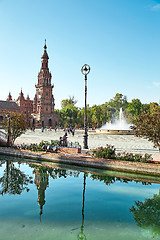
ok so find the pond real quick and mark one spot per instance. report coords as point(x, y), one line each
point(40, 200)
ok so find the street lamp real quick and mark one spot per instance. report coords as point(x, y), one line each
point(9, 130)
point(85, 70)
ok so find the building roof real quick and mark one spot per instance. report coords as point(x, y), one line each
point(8, 105)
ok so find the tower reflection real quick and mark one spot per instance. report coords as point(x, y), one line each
point(41, 181)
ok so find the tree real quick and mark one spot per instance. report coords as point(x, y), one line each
point(68, 113)
point(147, 214)
point(15, 124)
point(145, 107)
point(14, 181)
point(147, 125)
point(134, 109)
point(69, 101)
point(119, 101)
point(97, 115)
point(80, 117)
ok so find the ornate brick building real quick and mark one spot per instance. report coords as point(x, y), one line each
point(26, 105)
point(43, 104)
point(19, 105)
point(42, 107)
point(6, 107)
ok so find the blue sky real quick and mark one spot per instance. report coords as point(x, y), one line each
point(119, 39)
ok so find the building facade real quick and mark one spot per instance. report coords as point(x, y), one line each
point(6, 107)
point(43, 104)
point(25, 105)
point(41, 109)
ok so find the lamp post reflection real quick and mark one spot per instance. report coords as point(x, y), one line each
point(81, 235)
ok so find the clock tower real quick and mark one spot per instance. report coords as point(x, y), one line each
point(43, 104)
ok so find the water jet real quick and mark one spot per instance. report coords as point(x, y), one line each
point(117, 127)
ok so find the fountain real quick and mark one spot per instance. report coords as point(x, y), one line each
point(118, 127)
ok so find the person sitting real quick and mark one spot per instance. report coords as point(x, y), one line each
point(60, 141)
point(65, 140)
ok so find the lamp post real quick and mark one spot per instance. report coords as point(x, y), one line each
point(85, 70)
point(9, 130)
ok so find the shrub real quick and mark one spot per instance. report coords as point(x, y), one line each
point(134, 157)
point(107, 152)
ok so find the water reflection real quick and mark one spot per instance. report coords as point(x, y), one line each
point(42, 175)
point(108, 180)
point(14, 181)
point(41, 181)
point(147, 214)
point(81, 235)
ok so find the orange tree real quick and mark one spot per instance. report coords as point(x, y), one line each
point(15, 124)
point(147, 125)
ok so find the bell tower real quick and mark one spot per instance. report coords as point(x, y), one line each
point(43, 105)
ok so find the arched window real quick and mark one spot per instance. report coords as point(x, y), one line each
point(50, 122)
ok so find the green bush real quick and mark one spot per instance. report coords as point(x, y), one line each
point(54, 142)
point(134, 157)
point(107, 152)
point(2, 144)
point(37, 147)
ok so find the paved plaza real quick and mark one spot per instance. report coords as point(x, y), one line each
point(122, 143)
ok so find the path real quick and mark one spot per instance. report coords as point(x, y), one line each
point(128, 143)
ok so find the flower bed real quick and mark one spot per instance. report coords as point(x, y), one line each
point(108, 152)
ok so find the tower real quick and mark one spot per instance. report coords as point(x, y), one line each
point(9, 98)
point(43, 104)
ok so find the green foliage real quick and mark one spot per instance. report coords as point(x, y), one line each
point(32, 147)
point(15, 125)
point(42, 143)
point(2, 144)
point(68, 113)
point(134, 109)
point(66, 102)
point(38, 147)
point(54, 142)
point(119, 101)
point(104, 178)
point(107, 152)
point(14, 181)
point(98, 115)
point(147, 125)
point(147, 214)
point(134, 157)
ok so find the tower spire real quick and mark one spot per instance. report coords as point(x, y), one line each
point(45, 55)
point(45, 46)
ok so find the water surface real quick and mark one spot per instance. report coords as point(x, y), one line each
point(41, 202)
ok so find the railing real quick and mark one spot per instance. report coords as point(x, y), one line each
point(3, 136)
point(65, 143)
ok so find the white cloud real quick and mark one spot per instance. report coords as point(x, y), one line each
point(156, 7)
point(156, 84)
